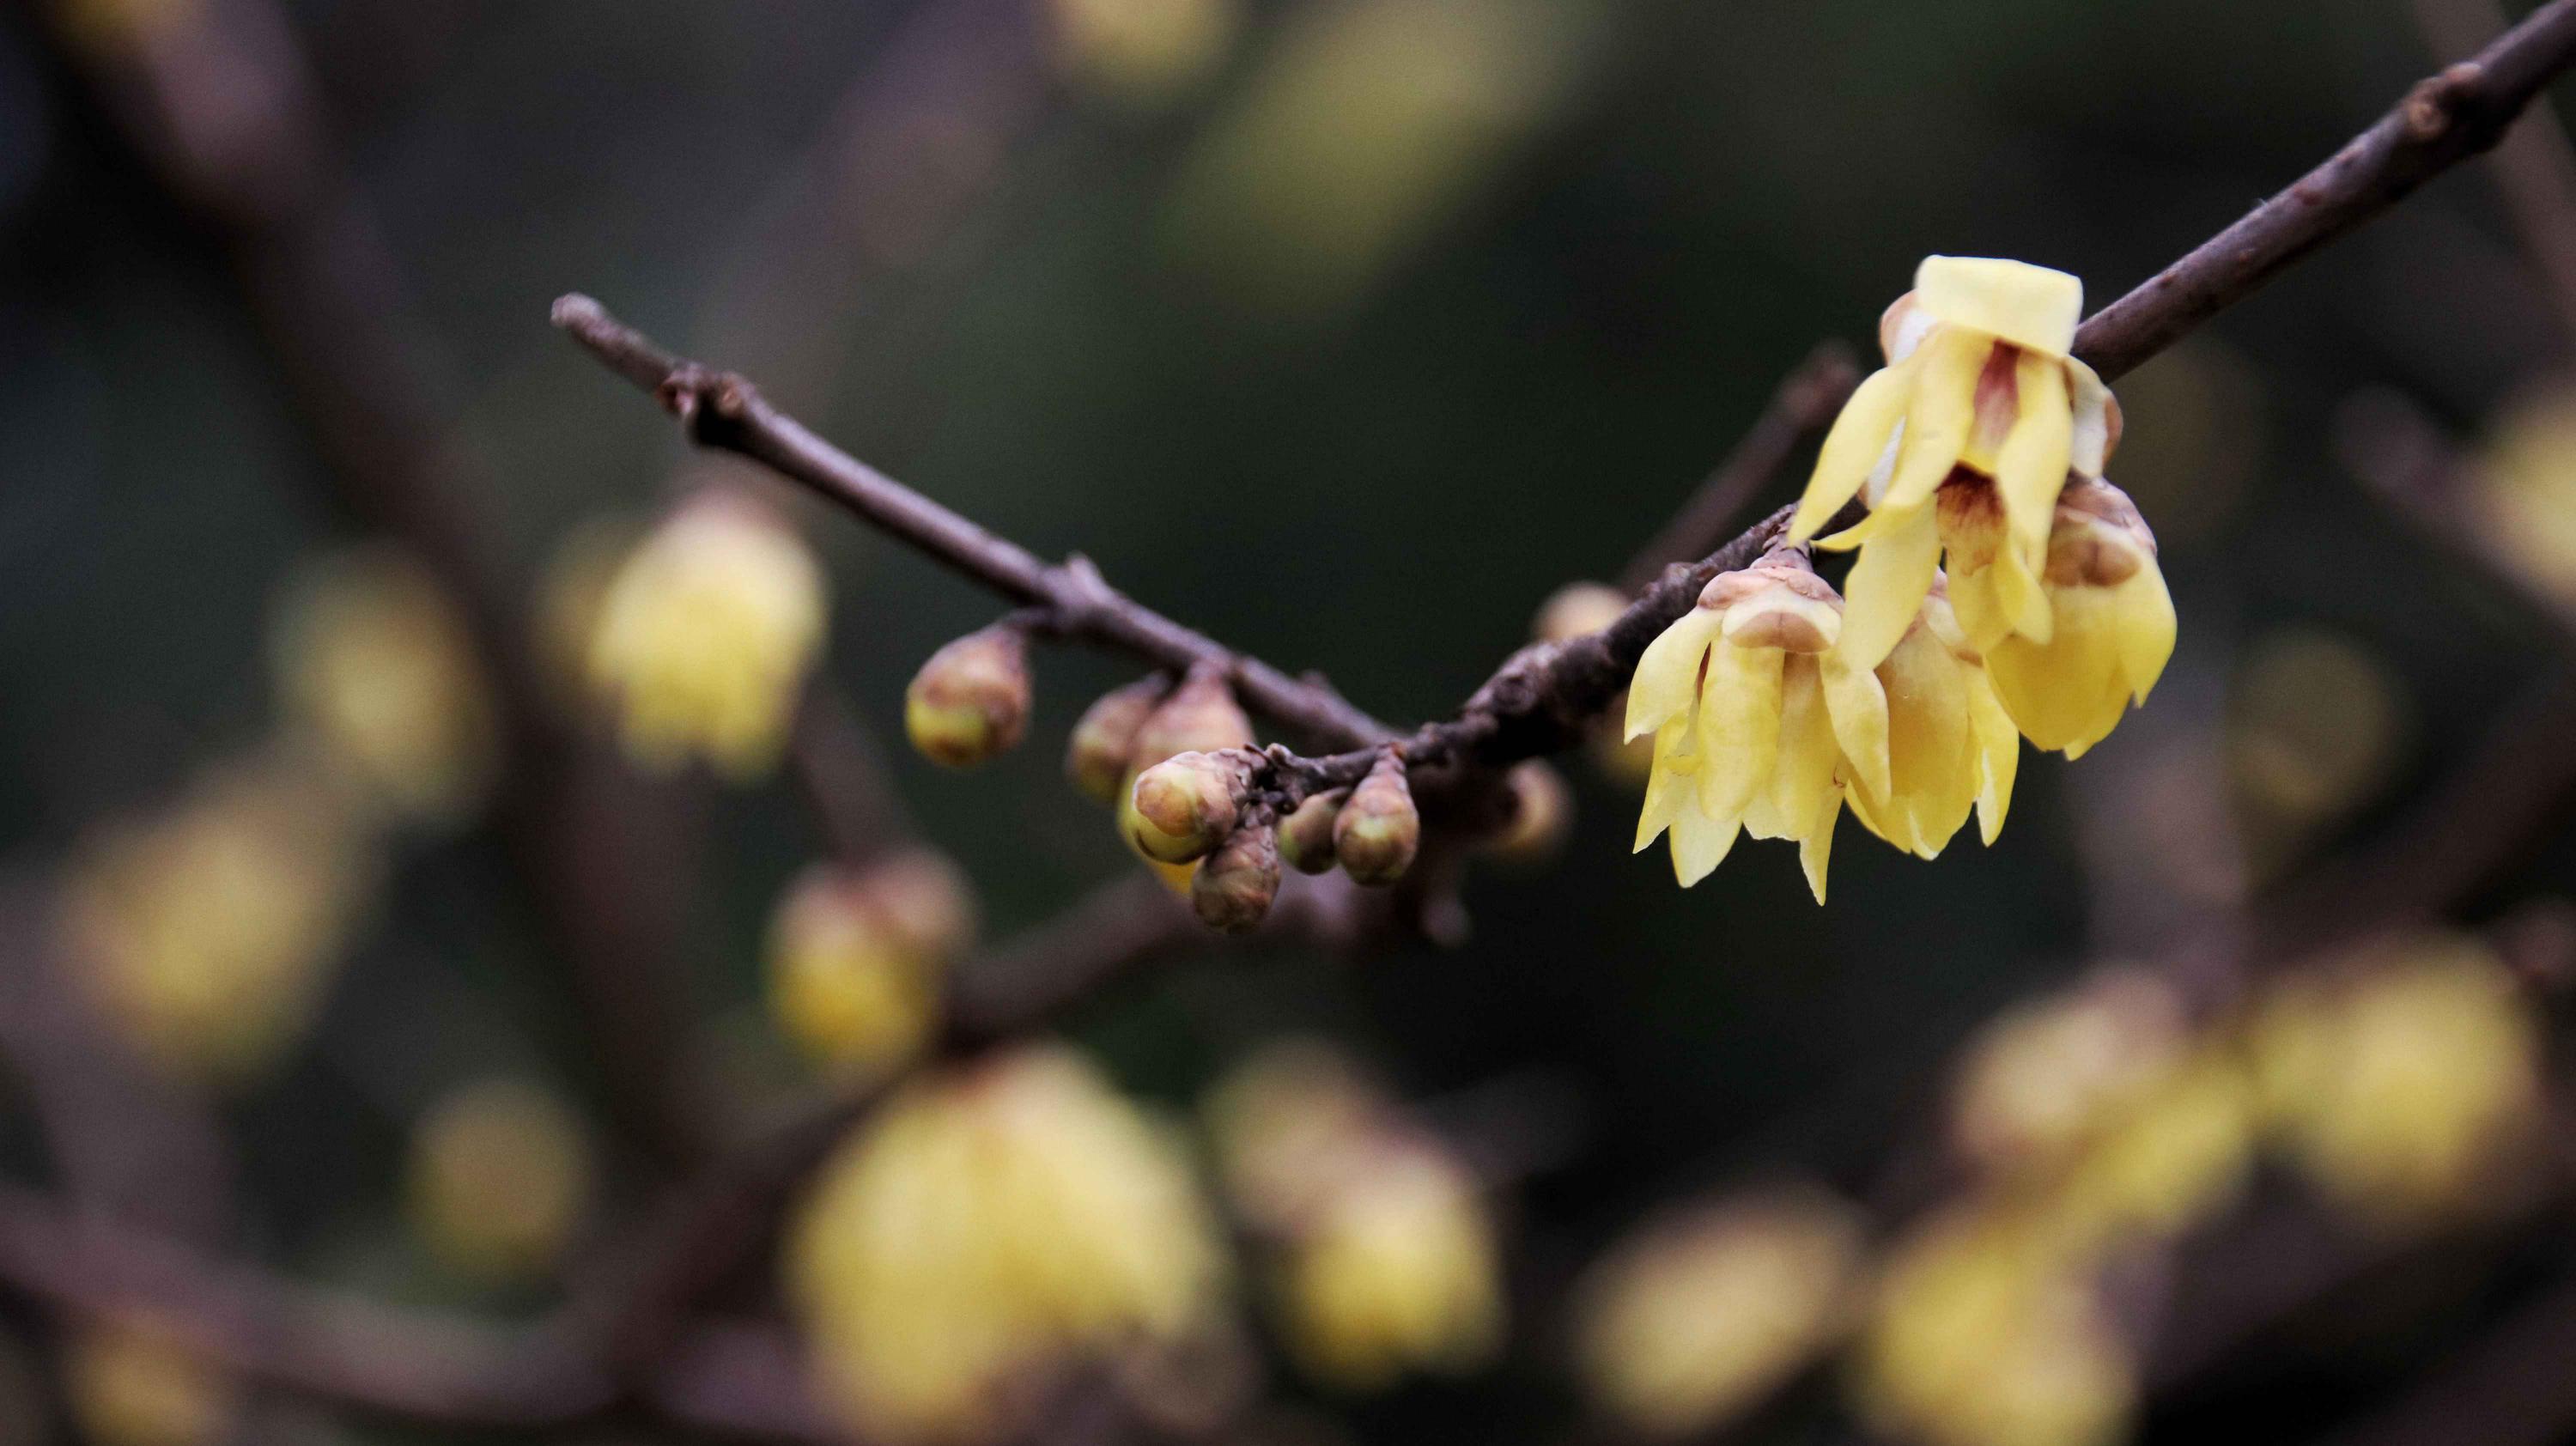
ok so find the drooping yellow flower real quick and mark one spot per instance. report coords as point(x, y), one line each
point(989, 1226)
point(1960, 444)
point(2113, 625)
point(1924, 739)
point(856, 958)
point(705, 634)
point(1735, 695)
point(207, 934)
point(500, 1175)
point(373, 657)
point(2402, 1088)
point(1703, 1314)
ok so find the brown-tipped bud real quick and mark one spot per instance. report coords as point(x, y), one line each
point(971, 700)
point(1379, 829)
point(1235, 886)
point(1200, 716)
point(1184, 806)
point(1542, 812)
point(1306, 837)
point(1578, 608)
point(2098, 539)
point(924, 900)
point(1099, 753)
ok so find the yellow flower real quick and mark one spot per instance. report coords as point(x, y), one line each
point(500, 1176)
point(2527, 487)
point(2177, 1156)
point(132, 1383)
point(2399, 1090)
point(1704, 1314)
point(2046, 1076)
point(705, 634)
point(988, 1225)
point(1960, 444)
point(1394, 1271)
point(206, 935)
point(2113, 625)
point(374, 659)
point(1735, 695)
point(855, 960)
point(1923, 736)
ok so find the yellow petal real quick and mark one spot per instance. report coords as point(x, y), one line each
point(1667, 679)
point(1940, 413)
point(2018, 590)
point(1998, 754)
point(1817, 848)
point(1803, 775)
point(1886, 586)
point(1932, 758)
point(2090, 403)
point(2065, 694)
point(1856, 704)
point(1852, 448)
point(1699, 845)
point(2029, 306)
point(1671, 786)
point(1739, 728)
point(2143, 623)
point(2030, 468)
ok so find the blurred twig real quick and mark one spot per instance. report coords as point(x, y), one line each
point(1805, 404)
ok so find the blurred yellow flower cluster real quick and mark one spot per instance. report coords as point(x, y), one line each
point(856, 957)
point(128, 1383)
point(1704, 1313)
point(1386, 1256)
point(704, 633)
point(500, 1177)
point(991, 1226)
point(1982, 441)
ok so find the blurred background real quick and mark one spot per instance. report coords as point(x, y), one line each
point(1348, 331)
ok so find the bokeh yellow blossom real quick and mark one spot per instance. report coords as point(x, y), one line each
point(856, 957)
point(207, 934)
point(1704, 1313)
point(373, 659)
point(2527, 486)
point(2043, 1077)
point(131, 1384)
point(990, 1226)
point(1142, 53)
point(705, 634)
point(500, 1176)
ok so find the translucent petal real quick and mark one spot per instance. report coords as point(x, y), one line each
point(1817, 848)
point(1852, 448)
point(1939, 414)
point(1803, 773)
point(2143, 618)
point(2090, 403)
point(1886, 586)
point(2018, 589)
point(1667, 679)
point(2030, 306)
point(1699, 845)
point(2065, 694)
point(1739, 728)
point(1998, 754)
point(2030, 469)
point(1856, 705)
point(1672, 785)
point(1932, 760)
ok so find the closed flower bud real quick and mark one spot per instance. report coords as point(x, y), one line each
point(1185, 806)
point(970, 702)
point(1576, 609)
point(1200, 716)
point(1234, 888)
point(1099, 753)
point(1379, 829)
point(1306, 836)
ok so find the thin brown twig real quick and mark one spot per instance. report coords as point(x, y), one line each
point(1805, 403)
point(2534, 166)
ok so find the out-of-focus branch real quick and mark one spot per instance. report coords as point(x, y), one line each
point(2444, 120)
point(1806, 403)
point(2534, 166)
point(219, 100)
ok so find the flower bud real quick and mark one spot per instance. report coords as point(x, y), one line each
point(1576, 609)
point(1200, 716)
point(1235, 886)
point(924, 900)
point(970, 702)
point(1183, 807)
point(1542, 812)
point(1306, 836)
point(1097, 756)
point(1379, 829)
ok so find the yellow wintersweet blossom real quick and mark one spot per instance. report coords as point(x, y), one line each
point(2401, 1089)
point(2176, 1156)
point(1985, 1332)
point(130, 1383)
point(2527, 485)
point(1735, 693)
point(2044, 1077)
point(374, 659)
point(991, 1226)
point(1703, 1314)
point(500, 1175)
point(206, 934)
point(856, 958)
point(705, 634)
point(1959, 446)
point(2113, 625)
point(1924, 738)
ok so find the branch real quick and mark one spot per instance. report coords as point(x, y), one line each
point(1806, 404)
point(2534, 166)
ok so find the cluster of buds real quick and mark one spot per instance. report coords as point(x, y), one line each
point(1386, 1258)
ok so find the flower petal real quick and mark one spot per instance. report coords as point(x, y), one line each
point(1667, 678)
point(2029, 306)
point(1856, 707)
point(2096, 431)
point(1852, 448)
point(1887, 585)
point(2030, 468)
point(1817, 848)
point(1739, 728)
point(2142, 620)
point(1940, 413)
point(1699, 845)
point(1998, 754)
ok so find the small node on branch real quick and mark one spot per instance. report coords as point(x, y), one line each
point(1379, 829)
point(970, 702)
point(1306, 836)
point(1097, 756)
